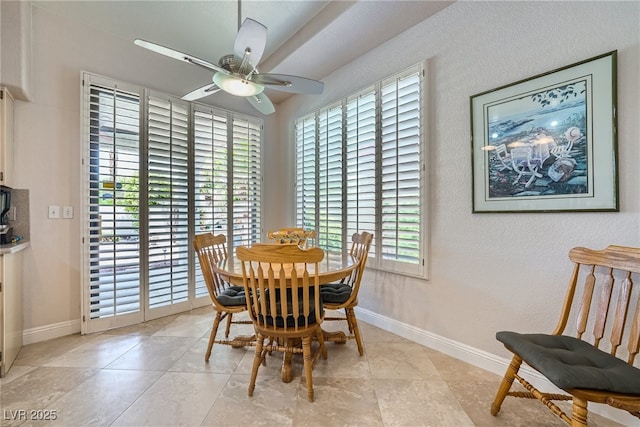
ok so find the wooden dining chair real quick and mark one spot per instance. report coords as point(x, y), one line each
point(344, 294)
point(592, 361)
point(283, 289)
point(295, 235)
point(226, 299)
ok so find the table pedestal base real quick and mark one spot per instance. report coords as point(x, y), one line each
point(338, 337)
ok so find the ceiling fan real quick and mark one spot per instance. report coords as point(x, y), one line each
point(237, 73)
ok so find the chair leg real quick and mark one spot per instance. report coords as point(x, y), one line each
point(212, 336)
point(257, 359)
point(349, 324)
point(323, 348)
point(228, 329)
point(353, 327)
point(308, 362)
point(505, 385)
point(579, 413)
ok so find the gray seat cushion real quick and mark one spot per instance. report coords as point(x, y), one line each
point(572, 363)
point(335, 293)
point(291, 320)
point(233, 295)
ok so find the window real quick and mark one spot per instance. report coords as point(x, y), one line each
point(157, 171)
point(360, 166)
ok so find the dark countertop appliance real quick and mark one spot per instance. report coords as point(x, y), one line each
point(6, 231)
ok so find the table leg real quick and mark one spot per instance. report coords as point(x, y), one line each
point(287, 371)
point(338, 337)
point(287, 374)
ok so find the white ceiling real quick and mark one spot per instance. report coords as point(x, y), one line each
point(309, 38)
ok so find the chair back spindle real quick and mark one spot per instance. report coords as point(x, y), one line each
point(282, 285)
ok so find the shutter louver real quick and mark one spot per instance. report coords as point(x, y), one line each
point(247, 182)
point(401, 184)
point(364, 161)
point(330, 179)
point(360, 147)
point(168, 202)
point(113, 202)
point(210, 175)
point(306, 173)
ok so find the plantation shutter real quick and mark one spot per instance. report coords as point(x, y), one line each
point(246, 181)
point(111, 161)
point(156, 171)
point(401, 172)
point(210, 177)
point(167, 199)
point(306, 172)
point(330, 230)
point(360, 148)
point(368, 149)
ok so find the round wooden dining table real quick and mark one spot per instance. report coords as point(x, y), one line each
point(334, 267)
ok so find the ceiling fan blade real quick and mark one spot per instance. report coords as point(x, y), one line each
point(286, 83)
point(262, 103)
point(171, 53)
point(252, 35)
point(201, 92)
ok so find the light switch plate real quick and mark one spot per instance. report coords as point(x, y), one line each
point(54, 212)
point(67, 212)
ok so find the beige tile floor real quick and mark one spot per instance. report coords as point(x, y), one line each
point(154, 374)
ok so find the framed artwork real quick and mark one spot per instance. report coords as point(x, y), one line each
point(548, 143)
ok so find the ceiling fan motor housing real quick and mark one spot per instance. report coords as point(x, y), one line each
point(228, 62)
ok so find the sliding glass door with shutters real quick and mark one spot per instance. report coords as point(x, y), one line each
point(158, 170)
point(167, 206)
point(112, 264)
point(211, 175)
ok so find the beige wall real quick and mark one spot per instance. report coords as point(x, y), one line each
point(494, 271)
point(488, 272)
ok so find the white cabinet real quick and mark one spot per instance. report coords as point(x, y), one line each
point(6, 138)
point(11, 323)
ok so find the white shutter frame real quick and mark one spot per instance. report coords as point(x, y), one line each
point(306, 172)
point(114, 304)
point(210, 172)
point(246, 188)
point(95, 297)
point(168, 205)
point(384, 158)
point(401, 164)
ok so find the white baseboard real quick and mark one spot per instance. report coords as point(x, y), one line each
point(47, 332)
point(482, 359)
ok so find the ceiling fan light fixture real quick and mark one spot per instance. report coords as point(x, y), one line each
point(237, 85)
